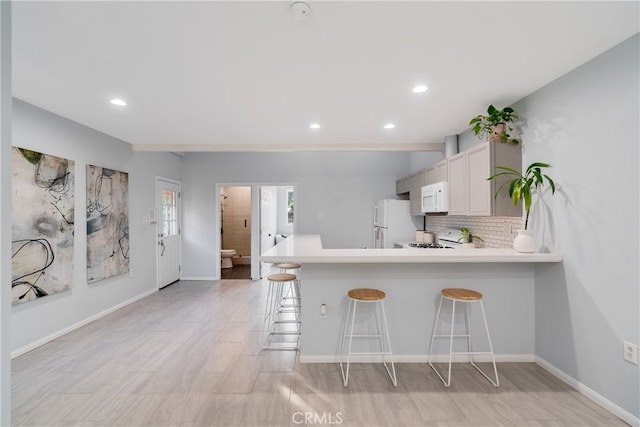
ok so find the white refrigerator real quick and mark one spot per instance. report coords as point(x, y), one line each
point(392, 223)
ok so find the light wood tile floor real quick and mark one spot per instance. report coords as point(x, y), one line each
point(190, 355)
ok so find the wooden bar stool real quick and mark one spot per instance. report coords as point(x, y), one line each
point(292, 295)
point(367, 296)
point(466, 296)
point(280, 319)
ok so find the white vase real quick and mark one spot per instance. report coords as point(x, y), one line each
point(524, 242)
point(468, 245)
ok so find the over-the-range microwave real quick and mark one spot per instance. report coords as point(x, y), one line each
point(435, 198)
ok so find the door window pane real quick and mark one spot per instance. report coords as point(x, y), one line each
point(169, 212)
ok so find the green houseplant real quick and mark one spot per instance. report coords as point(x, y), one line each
point(521, 185)
point(467, 237)
point(494, 126)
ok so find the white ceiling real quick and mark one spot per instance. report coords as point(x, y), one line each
point(237, 75)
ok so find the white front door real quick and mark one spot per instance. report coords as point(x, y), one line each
point(168, 232)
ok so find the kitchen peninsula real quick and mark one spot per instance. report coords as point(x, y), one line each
point(412, 280)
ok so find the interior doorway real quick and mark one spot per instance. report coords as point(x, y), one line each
point(235, 232)
point(243, 239)
point(277, 213)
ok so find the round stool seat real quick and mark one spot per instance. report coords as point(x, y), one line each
point(289, 265)
point(282, 277)
point(364, 294)
point(461, 294)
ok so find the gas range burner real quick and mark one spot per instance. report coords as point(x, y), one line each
point(428, 246)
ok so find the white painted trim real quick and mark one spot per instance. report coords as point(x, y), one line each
point(419, 358)
point(624, 415)
point(196, 278)
point(49, 338)
point(287, 148)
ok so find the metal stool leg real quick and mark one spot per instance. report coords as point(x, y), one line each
point(495, 383)
point(275, 316)
point(352, 311)
point(394, 380)
point(470, 353)
point(436, 335)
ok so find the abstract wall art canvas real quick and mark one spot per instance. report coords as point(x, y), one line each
point(107, 223)
point(42, 225)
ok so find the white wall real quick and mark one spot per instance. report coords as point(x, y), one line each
point(335, 194)
point(586, 125)
point(42, 131)
point(424, 159)
point(5, 212)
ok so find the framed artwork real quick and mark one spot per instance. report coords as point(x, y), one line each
point(107, 223)
point(42, 225)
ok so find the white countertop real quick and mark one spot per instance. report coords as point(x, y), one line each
point(304, 248)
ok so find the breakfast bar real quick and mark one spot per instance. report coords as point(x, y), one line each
point(412, 280)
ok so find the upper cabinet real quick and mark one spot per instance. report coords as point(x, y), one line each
point(403, 185)
point(442, 171)
point(469, 191)
point(418, 181)
point(413, 184)
point(437, 172)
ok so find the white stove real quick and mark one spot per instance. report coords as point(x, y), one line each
point(450, 238)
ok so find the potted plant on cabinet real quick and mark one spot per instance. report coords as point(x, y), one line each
point(494, 126)
point(521, 187)
point(468, 238)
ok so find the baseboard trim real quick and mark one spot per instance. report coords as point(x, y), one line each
point(22, 350)
point(419, 358)
point(624, 415)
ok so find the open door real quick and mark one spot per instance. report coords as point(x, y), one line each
point(276, 218)
point(268, 223)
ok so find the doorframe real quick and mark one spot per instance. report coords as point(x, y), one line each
point(156, 217)
point(255, 220)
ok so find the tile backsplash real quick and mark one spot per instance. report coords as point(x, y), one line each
point(496, 231)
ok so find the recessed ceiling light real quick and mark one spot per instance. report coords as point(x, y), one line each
point(389, 126)
point(119, 102)
point(314, 126)
point(420, 89)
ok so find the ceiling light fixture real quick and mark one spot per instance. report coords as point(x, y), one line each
point(119, 102)
point(314, 126)
point(420, 89)
point(300, 9)
point(389, 126)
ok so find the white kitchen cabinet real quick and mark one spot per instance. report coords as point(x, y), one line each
point(403, 185)
point(469, 191)
point(437, 173)
point(442, 168)
point(418, 181)
point(431, 176)
point(457, 184)
point(413, 184)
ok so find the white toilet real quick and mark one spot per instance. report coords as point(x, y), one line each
point(225, 256)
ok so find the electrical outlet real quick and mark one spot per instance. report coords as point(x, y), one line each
point(323, 311)
point(631, 352)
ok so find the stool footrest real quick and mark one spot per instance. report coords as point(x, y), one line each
point(452, 336)
point(363, 336)
point(370, 354)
